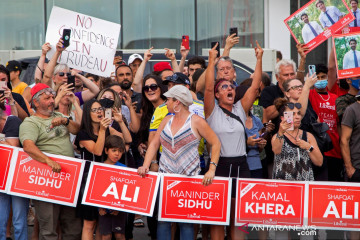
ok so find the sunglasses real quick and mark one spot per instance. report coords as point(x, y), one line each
point(226, 86)
point(97, 109)
point(61, 74)
point(153, 87)
point(292, 105)
point(48, 92)
point(298, 87)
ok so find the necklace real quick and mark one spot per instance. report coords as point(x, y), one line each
point(295, 135)
point(323, 98)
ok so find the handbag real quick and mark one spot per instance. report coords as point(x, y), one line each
point(322, 137)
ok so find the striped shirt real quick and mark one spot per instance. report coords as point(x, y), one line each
point(180, 152)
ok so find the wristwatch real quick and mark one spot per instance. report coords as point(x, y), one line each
point(310, 149)
point(279, 137)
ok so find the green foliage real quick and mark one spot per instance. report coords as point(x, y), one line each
point(296, 24)
point(342, 47)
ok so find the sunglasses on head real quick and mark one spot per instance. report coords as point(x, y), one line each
point(226, 86)
point(48, 92)
point(97, 109)
point(292, 105)
point(61, 74)
point(153, 87)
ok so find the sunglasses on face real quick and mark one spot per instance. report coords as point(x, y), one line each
point(292, 105)
point(61, 74)
point(153, 87)
point(298, 87)
point(226, 86)
point(97, 109)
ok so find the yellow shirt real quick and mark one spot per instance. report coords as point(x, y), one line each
point(19, 88)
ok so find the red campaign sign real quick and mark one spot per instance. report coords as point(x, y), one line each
point(185, 199)
point(270, 202)
point(296, 22)
point(6, 153)
point(345, 62)
point(36, 180)
point(334, 205)
point(121, 188)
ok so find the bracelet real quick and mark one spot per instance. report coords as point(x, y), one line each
point(279, 137)
point(13, 104)
point(39, 68)
point(154, 161)
point(301, 71)
point(213, 163)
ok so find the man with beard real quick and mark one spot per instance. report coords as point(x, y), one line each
point(352, 57)
point(49, 131)
point(124, 77)
point(311, 29)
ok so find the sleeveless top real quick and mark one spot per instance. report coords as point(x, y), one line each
point(180, 152)
point(293, 163)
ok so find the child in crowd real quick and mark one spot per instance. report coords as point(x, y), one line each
point(111, 221)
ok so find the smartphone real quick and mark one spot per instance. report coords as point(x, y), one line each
point(185, 41)
point(71, 80)
point(264, 134)
point(312, 70)
point(217, 48)
point(2, 87)
point(234, 30)
point(66, 37)
point(289, 117)
point(108, 113)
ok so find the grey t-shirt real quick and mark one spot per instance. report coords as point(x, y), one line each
point(229, 130)
point(351, 118)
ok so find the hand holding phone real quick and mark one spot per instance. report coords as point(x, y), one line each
point(217, 48)
point(312, 70)
point(66, 37)
point(108, 113)
point(3, 86)
point(185, 42)
point(289, 118)
point(71, 80)
point(234, 30)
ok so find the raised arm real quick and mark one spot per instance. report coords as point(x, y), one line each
point(92, 90)
point(135, 119)
point(231, 40)
point(40, 65)
point(49, 70)
point(304, 97)
point(301, 69)
point(332, 70)
point(209, 96)
point(170, 55)
point(137, 83)
point(184, 52)
point(251, 94)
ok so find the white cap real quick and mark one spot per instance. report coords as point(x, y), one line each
point(181, 93)
point(133, 57)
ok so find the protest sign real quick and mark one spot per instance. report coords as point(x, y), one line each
point(185, 199)
point(347, 54)
point(315, 22)
point(121, 188)
point(93, 41)
point(270, 202)
point(6, 153)
point(334, 205)
point(36, 180)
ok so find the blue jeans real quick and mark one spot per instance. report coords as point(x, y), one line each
point(164, 231)
point(20, 208)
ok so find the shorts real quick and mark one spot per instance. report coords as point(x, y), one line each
point(235, 167)
point(110, 223)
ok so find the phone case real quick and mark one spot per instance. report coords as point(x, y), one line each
point(217, 48)
point(289, 117)
point(66, 37)
point(108, 113)
point(312, 70)
point(234, 30)
point(185, 41)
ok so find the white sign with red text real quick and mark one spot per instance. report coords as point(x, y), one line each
point(185, 199)
point(121, 188)
point(93, 41)
point(6, 154)
point(36, 180)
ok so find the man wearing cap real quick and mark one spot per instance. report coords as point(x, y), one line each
point(329, 15)
point(163, 69)
point(134, 62)
point(48, 131)
point(14, 67)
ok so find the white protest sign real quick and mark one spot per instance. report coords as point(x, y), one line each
point(93, 41)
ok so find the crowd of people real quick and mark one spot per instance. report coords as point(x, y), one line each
point(184, 118)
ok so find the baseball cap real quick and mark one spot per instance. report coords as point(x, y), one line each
point(133, 57)
point(161, 66)
point(181, 93)
point(177, 78)
point(37, 88)
point(13, 66)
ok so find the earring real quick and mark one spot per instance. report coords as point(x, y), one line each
point(175, 109)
